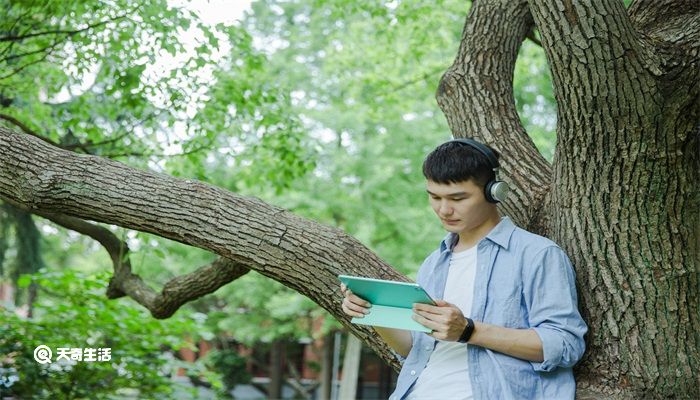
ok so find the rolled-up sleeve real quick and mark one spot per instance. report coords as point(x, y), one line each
point(549, 288)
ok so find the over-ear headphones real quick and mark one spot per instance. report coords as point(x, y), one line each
point(495, 190)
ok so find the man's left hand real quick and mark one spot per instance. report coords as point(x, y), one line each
point(446, 320)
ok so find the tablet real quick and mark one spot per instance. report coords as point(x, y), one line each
point(392, 302)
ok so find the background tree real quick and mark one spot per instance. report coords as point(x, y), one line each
point(629, 223)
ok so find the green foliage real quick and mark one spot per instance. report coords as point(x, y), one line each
point(534, 97)
point(371, 118)
point(74, 312)
point(230, 365)
point(28, 258)
point(110, 78)
point(259, 309)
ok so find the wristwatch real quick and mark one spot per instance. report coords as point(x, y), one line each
point(467, 333)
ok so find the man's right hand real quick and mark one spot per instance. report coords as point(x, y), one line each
point(353, 305)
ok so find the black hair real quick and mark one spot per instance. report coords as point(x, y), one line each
point(454, 162)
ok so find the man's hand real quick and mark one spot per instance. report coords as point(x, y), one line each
point(446, 320)
point(353, 305)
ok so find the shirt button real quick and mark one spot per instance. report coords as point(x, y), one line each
point(413, 372)
point(427, 347)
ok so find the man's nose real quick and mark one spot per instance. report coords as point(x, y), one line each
point(445, 208)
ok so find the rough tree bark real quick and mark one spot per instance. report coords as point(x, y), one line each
point(622, 194)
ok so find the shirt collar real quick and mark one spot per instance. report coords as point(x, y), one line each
point(500, 234)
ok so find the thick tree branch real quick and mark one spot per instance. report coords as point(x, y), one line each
point(670, 33)
point(301, 254)
point(175, 293)
point(476, 95)
point(577, 36)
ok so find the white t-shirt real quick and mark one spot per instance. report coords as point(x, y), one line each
point(446, 376)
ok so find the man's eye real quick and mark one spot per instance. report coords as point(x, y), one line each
point(458, 199)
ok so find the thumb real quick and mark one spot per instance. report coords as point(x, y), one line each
point(441, 303)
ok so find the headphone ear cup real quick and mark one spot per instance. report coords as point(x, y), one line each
point(488, 193)
point(496, 191)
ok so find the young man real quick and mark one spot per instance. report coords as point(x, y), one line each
point(507, 325)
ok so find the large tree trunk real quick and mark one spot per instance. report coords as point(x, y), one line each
point(622, 197)
point(624, 200)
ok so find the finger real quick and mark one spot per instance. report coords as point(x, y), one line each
point(427, 323)
point(356, 307)
point(353, 313)
point(437, 318)
point(357, 300)
point(343, 288)
point(427, 308)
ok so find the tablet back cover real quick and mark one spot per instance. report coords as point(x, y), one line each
point(392, 302)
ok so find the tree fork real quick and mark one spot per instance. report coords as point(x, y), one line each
point(476, 95)
point(175, 293)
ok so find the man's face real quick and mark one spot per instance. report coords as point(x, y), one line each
point(460, 206)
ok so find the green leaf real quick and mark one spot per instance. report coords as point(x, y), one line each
point(24, 281)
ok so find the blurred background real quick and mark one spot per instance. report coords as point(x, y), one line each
point(323, 107)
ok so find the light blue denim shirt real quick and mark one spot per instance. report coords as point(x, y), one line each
point(522, 281)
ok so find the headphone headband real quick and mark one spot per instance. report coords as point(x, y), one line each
point(481, 148)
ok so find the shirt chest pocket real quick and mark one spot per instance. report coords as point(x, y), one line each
point(504, 300)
